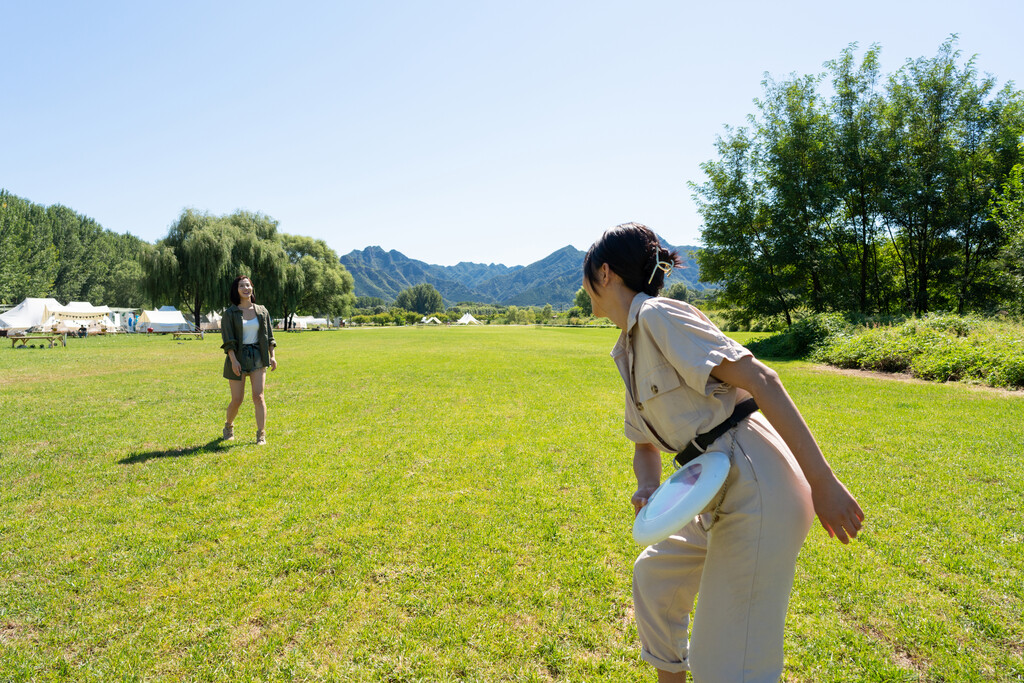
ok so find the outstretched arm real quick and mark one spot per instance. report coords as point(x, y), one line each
point(836, 508)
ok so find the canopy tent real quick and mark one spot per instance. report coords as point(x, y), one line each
point(163, 320)
point(467, 319)
point(81, 312)
point(29, 313)
point(432, 320)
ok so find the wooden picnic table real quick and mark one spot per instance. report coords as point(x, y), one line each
point(179, 335)
point(51, 338)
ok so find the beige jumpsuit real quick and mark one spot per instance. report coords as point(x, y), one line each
point(742, 567)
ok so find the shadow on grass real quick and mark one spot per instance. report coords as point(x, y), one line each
point(215, 446)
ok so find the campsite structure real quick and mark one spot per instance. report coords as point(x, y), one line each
point(26, 315)
point(167, 319)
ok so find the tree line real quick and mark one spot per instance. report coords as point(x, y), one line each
point(890, 194)
point(193, 266)
point(55, 252)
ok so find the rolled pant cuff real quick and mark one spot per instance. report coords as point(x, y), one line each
point(663, 665)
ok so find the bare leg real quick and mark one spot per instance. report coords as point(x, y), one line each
point(237, 396)
point(258, 379)
point(669, 677)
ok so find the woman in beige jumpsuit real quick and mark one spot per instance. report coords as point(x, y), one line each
point(684, 377)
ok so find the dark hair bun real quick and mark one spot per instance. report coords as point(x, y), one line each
point(635, 254)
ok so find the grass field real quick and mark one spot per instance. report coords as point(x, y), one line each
point(447, 504)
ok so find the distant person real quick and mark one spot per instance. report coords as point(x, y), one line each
point(683, 378)
point(248, 336)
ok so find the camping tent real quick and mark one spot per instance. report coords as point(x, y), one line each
point(302, 322)
point(210, 321)
point(29, 313)
point(432, 320)
point(81, 312)
point(468, 319)
point(163, 320)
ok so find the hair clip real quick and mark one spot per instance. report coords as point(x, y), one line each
point(663, 266)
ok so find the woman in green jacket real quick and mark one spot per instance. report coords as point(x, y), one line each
point(248, 335)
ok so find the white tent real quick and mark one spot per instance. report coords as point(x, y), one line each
point(303, 322)
point(210, 321)
point(468, 319)
point(29, 313)
point(81, 312)
point(163, 320)
point(432, 320)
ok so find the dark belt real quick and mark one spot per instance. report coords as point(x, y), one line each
point(702, 441)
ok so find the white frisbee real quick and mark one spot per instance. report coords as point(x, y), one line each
point(681, 497)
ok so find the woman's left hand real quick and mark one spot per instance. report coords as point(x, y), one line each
point(273, 363)
point(836, 508)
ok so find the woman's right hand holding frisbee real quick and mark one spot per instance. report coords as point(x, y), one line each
point(640, 498)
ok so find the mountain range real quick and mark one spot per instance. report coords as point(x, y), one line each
point(552, 280)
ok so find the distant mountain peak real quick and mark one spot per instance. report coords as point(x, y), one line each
point(553, 279)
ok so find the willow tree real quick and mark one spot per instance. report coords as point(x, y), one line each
point(188, 267)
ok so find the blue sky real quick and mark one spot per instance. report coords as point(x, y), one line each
point(492, 132)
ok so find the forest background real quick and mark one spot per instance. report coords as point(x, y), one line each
point(849, 190)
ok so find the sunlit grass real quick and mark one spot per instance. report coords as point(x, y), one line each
point(452, 504)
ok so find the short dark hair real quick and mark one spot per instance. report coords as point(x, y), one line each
point(233, 292)
point(633, 252)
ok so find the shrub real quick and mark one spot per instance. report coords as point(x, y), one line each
point(803, 337)
point(937, 347)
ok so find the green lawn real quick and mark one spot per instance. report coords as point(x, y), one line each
point(442, 504)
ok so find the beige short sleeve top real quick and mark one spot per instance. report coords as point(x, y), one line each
point(665, 357)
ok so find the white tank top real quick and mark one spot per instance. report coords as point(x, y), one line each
point(250, 330)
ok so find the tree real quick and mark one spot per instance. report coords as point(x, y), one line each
point(547, 313)
point(677, 291)
point(1007, 211)
point(873, 201)
point(582, 301)
point(189, 266)
point(422, 299)
point(857, 148)
point(934, 116)
point(315, 280)
point(28, 258)
point(741, 250)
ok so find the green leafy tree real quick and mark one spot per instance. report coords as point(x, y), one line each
point(677, 291)
point(875, 200)
point(422, 299)
point(547, 313)
point(936, 117)
point(191, 265)
point(256, 251)
point(28, 258)
point(741, 250)
point(582, 301)
point(1007, 211)
point(858, 150)
point(315, 281)
point(799, 175)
